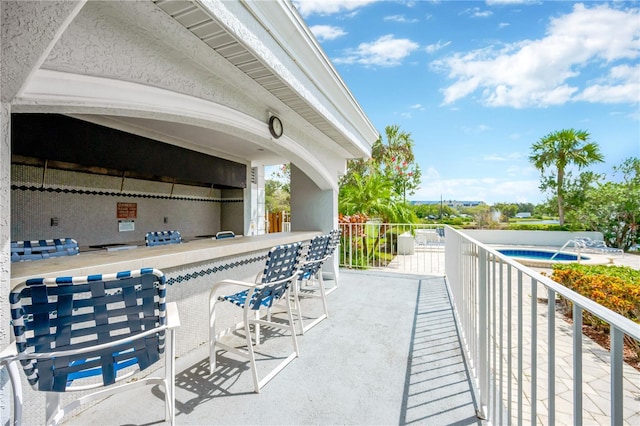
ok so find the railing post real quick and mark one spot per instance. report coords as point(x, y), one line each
point(534, 350)
point(520, 348)
point(577, 364)
point(617, 346)
point(483, 347)
point(551, 356)
point(509, 346)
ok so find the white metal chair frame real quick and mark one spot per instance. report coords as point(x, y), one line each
point(88, 359)
point(318, 251)
point(225, 234)
point(334, 243)
point(263, 294)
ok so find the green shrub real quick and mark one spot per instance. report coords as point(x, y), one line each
point(614, 287)
point(536, 227)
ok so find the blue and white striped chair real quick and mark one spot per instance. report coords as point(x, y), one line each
point(43, 249)
point(90, 332)
point(280, 273)
point(334, 243)
point(318, 251)
point(160, 238)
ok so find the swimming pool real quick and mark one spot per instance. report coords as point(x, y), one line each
point(536, 254)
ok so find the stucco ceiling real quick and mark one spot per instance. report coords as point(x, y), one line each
point(201, 139)
point(197, 20)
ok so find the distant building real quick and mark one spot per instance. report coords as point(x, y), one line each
point(523, 215)
point(450, 203)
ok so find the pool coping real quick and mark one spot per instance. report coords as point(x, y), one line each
point(594, 258)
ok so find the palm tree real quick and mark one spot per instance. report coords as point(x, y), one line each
point(396, 160)
point(373, 195)
point(558, 150)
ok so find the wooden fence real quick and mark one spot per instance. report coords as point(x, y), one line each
point(278, 222)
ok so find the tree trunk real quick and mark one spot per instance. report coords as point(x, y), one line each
point(561, 209)
point(560, 195)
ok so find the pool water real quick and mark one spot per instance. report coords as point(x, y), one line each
point(541, 254)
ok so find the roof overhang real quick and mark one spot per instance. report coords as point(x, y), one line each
point(243, 61)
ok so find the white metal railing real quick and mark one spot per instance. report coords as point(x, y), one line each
point(530, 366)
point(400, 247)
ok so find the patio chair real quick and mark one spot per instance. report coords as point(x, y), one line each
point(334, 243)
point(91, 333)
point(318, 251)
point(160, 238)
point(8, 360)
point(596, 246)
point(225, 234)
point(43, 249)
point(427, 238)
point(600, 246)
point(280, 272)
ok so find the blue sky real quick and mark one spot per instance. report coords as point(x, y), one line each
point(476, 83)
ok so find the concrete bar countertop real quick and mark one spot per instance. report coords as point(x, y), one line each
point(160, 257)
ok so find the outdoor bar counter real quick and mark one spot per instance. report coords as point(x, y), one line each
point(190, 268)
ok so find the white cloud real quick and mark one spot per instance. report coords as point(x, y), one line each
point(437, 46)
point(480, 128)
point(503, 2)
point(503, 24)
point(328, 7)
point(417, 106)
point(511, 157)
point(400, 18)
point(521, 171)
point(523, 190)
point(623, 87)
point(495, 157)
point(476, 12)
point(327, 32)
point(430, 173)
point(547, 71)
point(386, 51)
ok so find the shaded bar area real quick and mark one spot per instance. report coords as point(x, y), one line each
point(119, 119)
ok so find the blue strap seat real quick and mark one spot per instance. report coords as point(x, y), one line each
point(70, 331)
point(280, 272)
point(160, 238)
point(318, 251)
point(43, 249)
point(334, 243)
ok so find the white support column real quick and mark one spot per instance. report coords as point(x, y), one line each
point(5, 253)
point(260, 201)
point(313, 208)
point(254, 211)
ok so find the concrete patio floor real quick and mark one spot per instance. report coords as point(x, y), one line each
point(388, 354)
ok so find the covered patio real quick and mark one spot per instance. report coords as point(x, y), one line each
point(389, 353)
